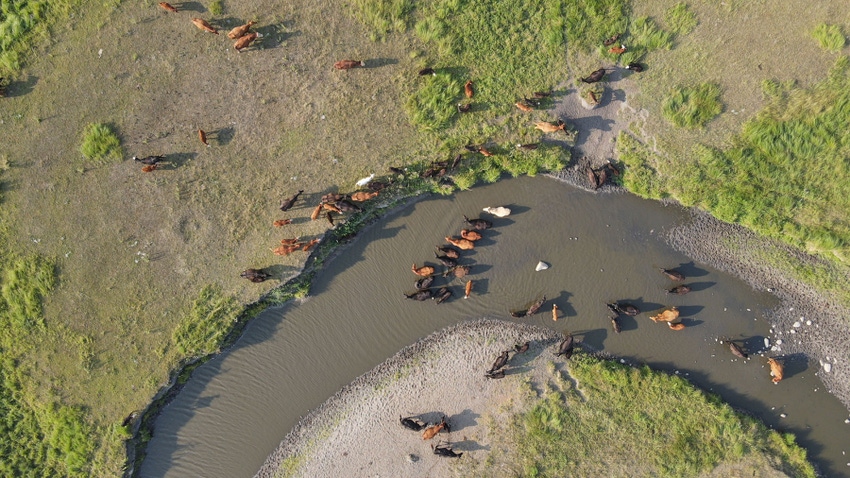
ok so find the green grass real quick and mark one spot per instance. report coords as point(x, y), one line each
point(680, 19)
point(829, 37)
point(692, 107)
point(589, 23)
point(640, 175)
point(644, 36)
point(101, 144)
point(624, 421)
point(432, 107)
point(202, 331)
point(383, 17)
point(216, 7)
point(24, 24)
point(25, 283)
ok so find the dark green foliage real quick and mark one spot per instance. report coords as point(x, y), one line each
point(565, 434)
point(100, 143)
point(692, 107)
point(639, 175)
point(203, 329)
point(55, 441)
point(216, 7)
point(433, 106)
point(21, 23)
point(644, 36)
point(25, 283)
point(589, 23)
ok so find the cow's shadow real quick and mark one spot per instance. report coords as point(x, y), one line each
point(189, 7)
point(462, 420)
point(380, 62)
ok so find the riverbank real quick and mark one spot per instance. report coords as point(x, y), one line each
point(357, 432)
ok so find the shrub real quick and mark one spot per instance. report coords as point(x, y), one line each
point(692, 107)
point(203, 330)
point(829, 37)
point(100, 143)
point(216, 7)
point(680, 19)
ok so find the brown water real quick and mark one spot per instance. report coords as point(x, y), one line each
point(601, 247)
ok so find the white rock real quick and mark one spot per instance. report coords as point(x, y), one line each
point(797, 325)
point(766, 342)
point(541, 266)
point(783, 415)
point(779, 342)
point(808, 322)
point(500, 211)
point(847, 420)
point(827, 367)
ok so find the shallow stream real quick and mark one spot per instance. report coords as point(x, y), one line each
point(601, 247)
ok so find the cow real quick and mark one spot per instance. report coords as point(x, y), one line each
point(361, 196)
point(523, 106)
point(329, 216)
point(458, 271)
point(495, 375)
point(347, 206)
point(289, 202)
point(423, 271)
point(565, 348)
point(672, 274)
point(331, 207)
point(282, 222)
point(595, 76)
point(635, 67)
point(623, 308)
point(245, 41)
point(411, 423)
point(478, 224)
point(776, 369)
point(446, 451)
point(446, 260)
point(555, 312)
point(517, 313)
point(443, 295)
point(149, 160)
point(255, 275)
point(615, 323)
point(528, 146)
point(424, 283)
point(309, 245)
point(449, 251)
point(737, 350)
point(541, 94)
point(521, 349)
point(484, 151)
point(676, 325)
point(420, 295)
point(467, 89)
point(679, 290)
point(467, 290)
point(432, 431)
point(470, 235)
point(667, 315)
point(149, 168)
point(500, 361)
point(535, 306)
point(617, 50)
point(202, 135)
point(463, 244)
point(203, 25)
point(548, 127)
point(316, 212)
point(348, 64)
point(427, 71)
point(464, 107)
point(611, 40)
point(240, 31)
point(167, 7)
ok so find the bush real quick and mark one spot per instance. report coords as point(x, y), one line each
point(692, 107)
point(829, 37)
point(100, 143)
point(680, 19)
point(209, 321)
point(216, 7)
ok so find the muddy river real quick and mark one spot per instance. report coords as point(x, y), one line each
point(600, 247)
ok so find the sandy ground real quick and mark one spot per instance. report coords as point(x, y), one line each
point(357, 432)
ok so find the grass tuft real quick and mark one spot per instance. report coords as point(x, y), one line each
point(204, 328)
point(829, 37)
point(101, 144)
point(384, 16)
point(692, 107)
point(680, 19)
point(25, 284)
point(217, 7)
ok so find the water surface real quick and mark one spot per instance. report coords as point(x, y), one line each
point(601, 247)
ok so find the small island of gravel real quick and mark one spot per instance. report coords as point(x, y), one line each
point(547, 416)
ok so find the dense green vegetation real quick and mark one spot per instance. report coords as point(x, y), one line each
point(692, 107)
point(203, 329)
point(23, 24)
point(644, 36)
point(680, 19)
point(624, 421)
point(383, 16)
point(829, 37)
point(100, 143)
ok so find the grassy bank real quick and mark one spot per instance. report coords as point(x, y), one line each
point(127, 276)
point(608, 419)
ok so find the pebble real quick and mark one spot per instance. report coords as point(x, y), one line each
point(797, 325)
point(783, 415)
point(808, 322)
point(766, 342)
point(847, 420)
point(827, 367)
point(541, 266)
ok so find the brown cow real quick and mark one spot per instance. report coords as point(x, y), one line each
point(595, 76)
point(610, 41)
point(309, 245)
point(478, 224)
point(361, 196)
point(330, 207)
point(523, 106)
point(287, 203)
point(255, 275)
point(348, 64)
point(468, 289)
point(470, 235)
point(423, 271)
point(464, 244)
point(679, 290)
point(776, 369)
point(555, 312)
point(203, 25)
point(617, 50)
point(676, 326)
point(168, 7)
point(547, 127)
point(149, 168)
point(672, 274)
point(245, 41)
point(282, 222)
point(241, 30)
point(432, 431)
point(467, 89)
point(203, 137)
point(535, 306)
point(667, 315)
